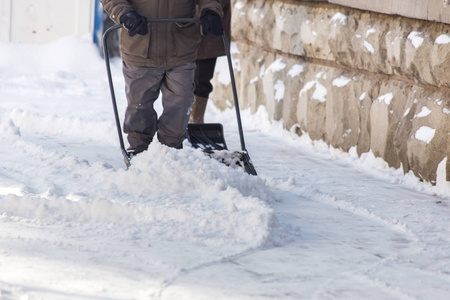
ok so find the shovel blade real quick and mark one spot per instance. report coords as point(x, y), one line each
point(208, 136)
point(233, 159)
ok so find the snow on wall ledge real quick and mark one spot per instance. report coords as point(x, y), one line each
point(348, 77)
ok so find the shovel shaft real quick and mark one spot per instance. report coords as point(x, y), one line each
point(111, 89)
point(235, 97)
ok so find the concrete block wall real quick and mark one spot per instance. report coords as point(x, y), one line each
point(349, 77)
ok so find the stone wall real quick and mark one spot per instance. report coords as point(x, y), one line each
point(351, 78)
point(432, 10)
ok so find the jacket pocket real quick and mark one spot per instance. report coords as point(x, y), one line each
point(187, 38)
point(137, 45)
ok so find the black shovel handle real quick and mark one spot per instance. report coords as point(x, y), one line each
point(111, 86)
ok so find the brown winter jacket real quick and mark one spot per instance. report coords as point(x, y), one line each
point(212, 46)
point(167, 44)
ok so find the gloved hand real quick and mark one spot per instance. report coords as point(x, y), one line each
point(135, 23)
point(211, 22)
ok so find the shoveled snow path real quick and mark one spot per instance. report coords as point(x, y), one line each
point(354, 235)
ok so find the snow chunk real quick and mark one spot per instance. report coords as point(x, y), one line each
point(319, 93)
point(276, 66)
point(387, 98)
point(338, 18)
point(416, 40)
point(341, 81)
point(407, 112)
point(442, 39)
point(254, 79)
point(295, 70)
point(369, 47)
point(363, 95)
point(279, 90)
point(425, 134)
point(370, 31)
point(446, 111)
point(239, 5)
point(223, 73)
point(309, 85)
point(423, 113)
point(234, 49)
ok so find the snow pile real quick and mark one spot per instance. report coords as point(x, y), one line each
point(54, 110)
point(167, 194)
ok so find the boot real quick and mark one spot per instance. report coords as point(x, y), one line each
point(198, 110)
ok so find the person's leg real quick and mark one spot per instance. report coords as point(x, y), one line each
point(177, 97)
point(203, 75)
point(204, 72)
point(142, 86)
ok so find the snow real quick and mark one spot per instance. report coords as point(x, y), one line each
point(369, 47)
point(415, 39)
point(320, 91)
point(338, 18)
point(296, 70)
point(279, 88)
point(443, 39)
point(425, 111)
point(341, 81)
point(224, 77)
point(370, 31)
point(386, 98)
point(276, 66)
point(406, 112)
point(239, 5)
point(362, 96)
point(425, 134)
point(316, 223)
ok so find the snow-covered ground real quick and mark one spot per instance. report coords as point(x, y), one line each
point(75, 224)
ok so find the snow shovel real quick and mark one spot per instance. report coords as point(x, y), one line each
point(208, 137)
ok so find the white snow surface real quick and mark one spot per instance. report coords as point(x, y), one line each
point(279, 88)
point(369, 47)
point(339, 18)
point(443, 39)
point(316, 223)
point(296, 70)
point(386, 98)
point(424, 112)
point(276, 66)
point(425, 134)
point(416, 39)
point(341, 81)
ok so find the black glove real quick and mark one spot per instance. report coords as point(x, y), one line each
point(211, 22)
point(135, 23)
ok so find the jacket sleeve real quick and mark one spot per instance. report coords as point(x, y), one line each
point(116, 8)
point(214, 5)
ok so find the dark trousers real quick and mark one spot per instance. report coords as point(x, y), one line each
point(143, 86)
point(204, 72)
